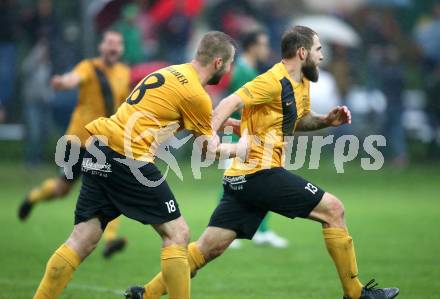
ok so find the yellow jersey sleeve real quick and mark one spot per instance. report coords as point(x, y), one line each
point(197, 114)
point(261, 90)
point(83, 70)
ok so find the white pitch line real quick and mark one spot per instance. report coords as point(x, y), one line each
point(76, 286)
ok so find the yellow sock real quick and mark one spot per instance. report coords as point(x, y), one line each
point(175, 271)
point(111, 231)
point(43, 192)
point(157, 287)
point(59, 270)
point(196, 259)
point(341, 249)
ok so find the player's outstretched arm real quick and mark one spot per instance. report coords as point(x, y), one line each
point(67, 81)
point(224, 110)
point(210, 145)
point(336, 117)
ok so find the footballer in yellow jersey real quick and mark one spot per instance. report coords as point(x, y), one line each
point(103, 84)
point(119, 176)
point(171, 98)
point(92, 101)
point(274, 104)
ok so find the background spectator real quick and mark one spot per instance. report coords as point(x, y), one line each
point(132, 35)
point(8, 52)
point(37, 93)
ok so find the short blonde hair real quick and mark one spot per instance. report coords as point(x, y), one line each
point(215, 44)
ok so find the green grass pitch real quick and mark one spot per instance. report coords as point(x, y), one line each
point(393, 218)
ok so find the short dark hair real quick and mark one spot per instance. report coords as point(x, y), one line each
point(295, 38)
point(215, 43)
point(250, 38)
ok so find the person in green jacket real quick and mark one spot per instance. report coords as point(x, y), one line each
point(255, 50)
point(133, 43)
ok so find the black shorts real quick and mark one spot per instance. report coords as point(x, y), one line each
point(110, 189)
point(247, 199)
point(76, 168)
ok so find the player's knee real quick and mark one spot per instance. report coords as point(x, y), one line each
point(185, 235)
point(83, 241)
point(88, 248)
point(335, 209)
point(179, 236)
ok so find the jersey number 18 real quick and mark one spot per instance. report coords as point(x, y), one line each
point(142, 88)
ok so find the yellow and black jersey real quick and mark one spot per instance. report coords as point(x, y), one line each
point(273, 103)
point(165, 101)
point(102, 89)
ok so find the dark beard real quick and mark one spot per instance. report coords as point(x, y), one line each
point(215, 79)
point(111, 58)
point(310, 71)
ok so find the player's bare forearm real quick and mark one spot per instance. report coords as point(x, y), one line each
point(338, 116)
point(224, 110)
point(312, 122)
point(66, 81)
